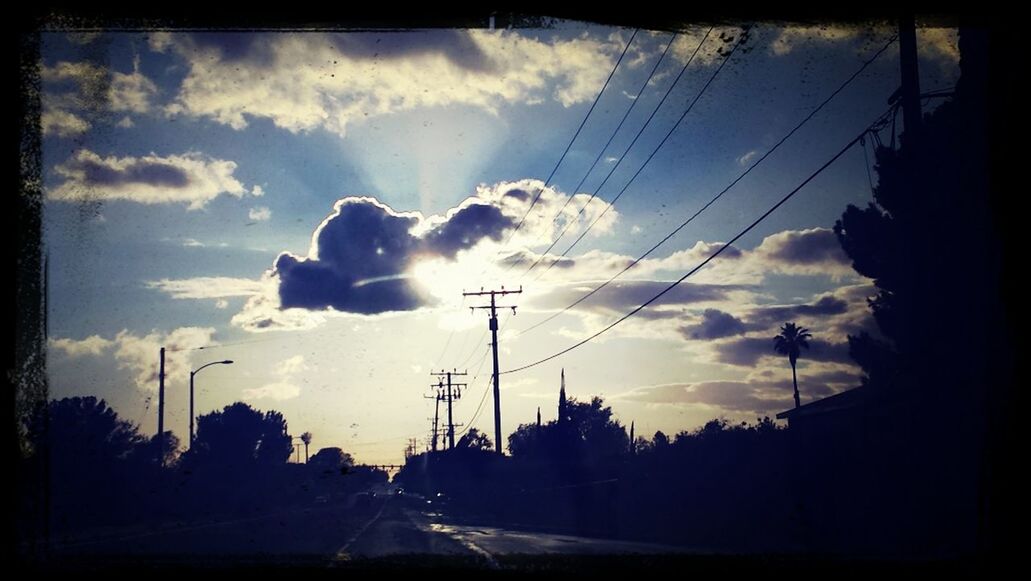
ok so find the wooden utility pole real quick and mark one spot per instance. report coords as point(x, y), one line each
point(436, 415)
point(449, 393)
point(494, 347)
point(161, 409)
point(911, 114)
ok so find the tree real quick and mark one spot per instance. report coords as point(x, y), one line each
point(306, 438)
point(525, 440)
point(474, 440)
point(83, 433)
point(240, 436)
point(790, 342)
point(331, 460)
point(95, 463)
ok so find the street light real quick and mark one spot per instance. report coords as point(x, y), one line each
point(195, 372)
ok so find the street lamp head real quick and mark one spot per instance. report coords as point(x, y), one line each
point(227, 362)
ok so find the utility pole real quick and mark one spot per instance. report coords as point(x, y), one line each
point(161, 409)
point(911, 114)
point(494, 347)
point(436, 415)
point(453, 392)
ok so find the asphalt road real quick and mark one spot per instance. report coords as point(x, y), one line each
point(312, 532)
point(386, 527)
point(406, 526)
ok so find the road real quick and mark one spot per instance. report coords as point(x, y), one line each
point(347, 532)
point(404, 527)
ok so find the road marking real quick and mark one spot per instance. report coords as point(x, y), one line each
point(342, 553)
point(491, 562)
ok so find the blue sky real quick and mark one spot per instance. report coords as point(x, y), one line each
point(179, 167)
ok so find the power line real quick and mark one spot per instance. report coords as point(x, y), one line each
point(615, 131)
point(625, 151)
point(650, 157)
point(733, 183)
point(707, 260)
point(571, 141)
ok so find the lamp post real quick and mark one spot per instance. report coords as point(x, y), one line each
point(192, 374)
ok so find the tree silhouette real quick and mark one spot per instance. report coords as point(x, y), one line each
point(83, 432)
point(306, 438)
point(790, 342)
point(96, 463)
point(331, 460)
point(241, 437)
point(475, 440)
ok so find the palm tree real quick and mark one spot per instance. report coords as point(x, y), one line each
point(789, 342)
point(306, 438)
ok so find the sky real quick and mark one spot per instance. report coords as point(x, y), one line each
point(312, 205)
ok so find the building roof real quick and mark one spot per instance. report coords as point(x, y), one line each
point(837, 402)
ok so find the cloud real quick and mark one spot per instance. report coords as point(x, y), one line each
point(933, 43)
point(357, 262)
point(62, 123)
point(812, 252)
point(92, 345)
point(77, 94)
point(125, 123)
point(263, 312)
point(620, 296)
point(191, 179)
point(746, 351)
point(774, 315)
point(752, 395)
point(96, 87)
point(283, 389)
point(941, 44)
point(792, 36)
point(720, 39)
point(291, 366)
point(260, 213)
point(207, 287)
point(715, 324)
point(738, 396)
point(364, 254)
point(744, 159)
point(278, 391)
point(257, 191)
point(221, 304)
point(140, 355)
point(329, 80)
point(465, 227)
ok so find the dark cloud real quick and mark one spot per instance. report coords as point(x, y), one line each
point(764, 317)
point(466, 227)
point(738, 396)
point(239, 47)
point(457, 46)
point(715, 324)
point(760, 396)
point(623, 296)
point(364, 250)
point(139, 171)
point(526, 258)
point(516, 193)
point(805, 247)
point(746, 351)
